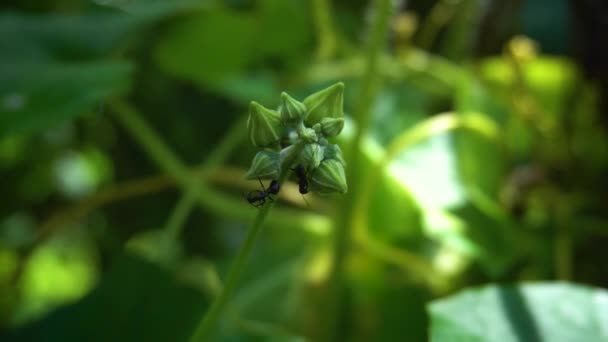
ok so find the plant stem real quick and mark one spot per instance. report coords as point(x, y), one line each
point(343, 232)
point(216, 157)
point(208, 322)
point(180, 213)
point(325, 30)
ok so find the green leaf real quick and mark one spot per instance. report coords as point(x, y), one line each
point(55, 37)
point(36, 96)
point(533, 312)
point(209, 47)
point(291, 41)
point(153, 8)
point(75, 37)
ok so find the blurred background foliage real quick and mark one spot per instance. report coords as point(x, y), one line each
point(123, 150)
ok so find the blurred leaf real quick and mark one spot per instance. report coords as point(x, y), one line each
point(153, 8)
point(402, 105)
point(61, 271)
point(209, 47)
point(79, 173)
point(17, 230)
point(549, 79)
point(492, 239)
point(214, 48)
point(135, 301)
point(284, 31)
point(246, 86)
point(156, 246)
point(534, 312)
point(432, 159)
point(54, 37)
point(382, 300)
point(38, 96)
point(393, 213)
point(35, 37)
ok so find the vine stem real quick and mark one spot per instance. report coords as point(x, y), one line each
point(217, 156)
point(205, 327)
point(379, 29)
point(208, 322)
point(325, 29)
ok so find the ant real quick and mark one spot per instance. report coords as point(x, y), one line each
point(301, 172)
point(258, 198)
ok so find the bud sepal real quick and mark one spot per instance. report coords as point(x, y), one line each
point(264, 125)
point(329, 177)
point(326, 103)
point(265, 165)
point(291, 110)
point(311, 156)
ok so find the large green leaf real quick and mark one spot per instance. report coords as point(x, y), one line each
point(77, 36)
point(534, 312)
point(208, 47)
point(38, 96)
point(35, 37)
point(216, 47)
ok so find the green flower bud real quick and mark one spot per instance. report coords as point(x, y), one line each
point(311, 156)
point(329, 177)
point(326, 103)
point(334, 152)
point(265, 164)
point(291, 109)
point(264, 125)
point(332, 126)
point(287, 155)
point(308, 135)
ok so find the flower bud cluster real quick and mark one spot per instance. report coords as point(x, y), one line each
point(307, 125)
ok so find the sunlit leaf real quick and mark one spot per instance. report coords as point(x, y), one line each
point(534, 312)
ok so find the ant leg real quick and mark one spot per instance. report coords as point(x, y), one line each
point(262, 184)
point(305, 201)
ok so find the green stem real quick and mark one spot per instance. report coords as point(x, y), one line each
point(343, 232)
point(325, 30)
point(187, 202)
point(440, 15)
point(180, 213)
point(208, 322)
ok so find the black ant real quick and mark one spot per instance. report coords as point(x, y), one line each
point(300, 172)
point(258, 198)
